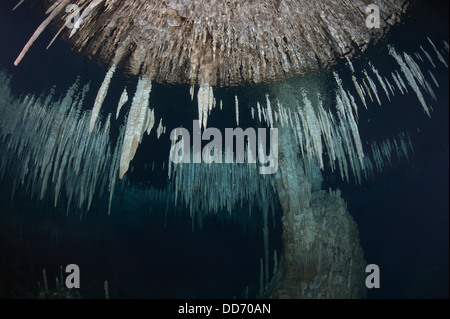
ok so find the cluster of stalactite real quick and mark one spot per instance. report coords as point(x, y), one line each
point(325, 126)
point(226, 185)
point(213, 188)
point(47, 148)
point(329, 124)
point(383, 152)
point(141, 118)
point(55, 140)
point(319, 125)
point(51, 148)
point(217, 42)
point(236, 185)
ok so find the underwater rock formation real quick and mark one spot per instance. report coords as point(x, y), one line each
point(321, 257)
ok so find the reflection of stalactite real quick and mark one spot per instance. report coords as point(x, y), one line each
point(336, 126)
point(313, 123)
point(140, 119)
point(206, 102)
point(230, 185)
point(55, 10)
point(317, 126)
point(135, 126)
point(51, 138)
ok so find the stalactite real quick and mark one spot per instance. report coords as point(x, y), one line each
point(391, 88)
point(18, 4)
point(433, 78)
point(350, 64)
point(415, 69)
point(367, 89)
point(258, 106)
point(428, 56)
point(372, 86)
point(191, 92)
point(123, 99)
point(56, 36)
point(205, 100)
point(236, 105)
point(358, 89)
point(160, 129)
point(230, 184)
point(338, 130)
point(402, 83)
point(410, 78)
point(347, 117)
point(59, 153)
point(418, 56)
point(101, 96)
point(113, 173)
point(150, 121)
point(135, 123)
point(230, 187)
point(380, 79)
point(269, 111)
point(312, 128)
point(440, 57)
point(60, 5)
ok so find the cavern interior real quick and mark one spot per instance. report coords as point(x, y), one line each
point(339, 157)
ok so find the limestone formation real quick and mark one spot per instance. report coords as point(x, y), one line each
point(219, 42)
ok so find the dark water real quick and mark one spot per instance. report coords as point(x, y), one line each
point(402, 214)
